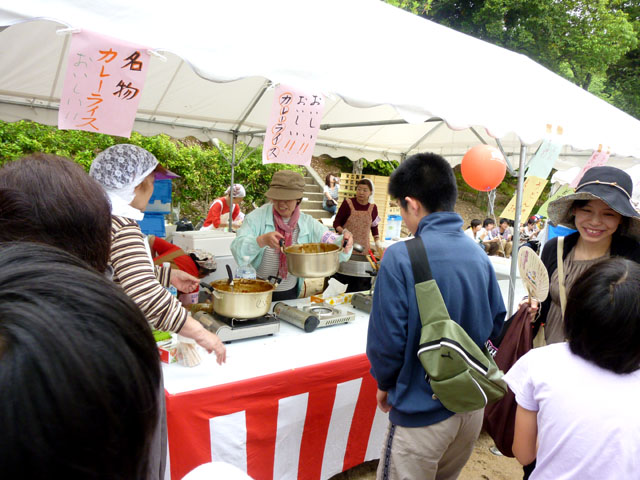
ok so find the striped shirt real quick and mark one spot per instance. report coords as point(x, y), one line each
point(271, 263)
point(135, 273)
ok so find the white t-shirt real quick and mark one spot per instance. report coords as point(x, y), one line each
point(469, 233)
point(588, 417)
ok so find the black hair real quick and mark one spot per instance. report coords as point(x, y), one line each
point(487, 222)
point(50, 199)
point(474, 223)
point(504, 220)
point(531, 221)
point(365, 181)
point(428, 178)
point(79, 372)
point(601, 318)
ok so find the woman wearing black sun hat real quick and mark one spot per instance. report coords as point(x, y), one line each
point(607, 226)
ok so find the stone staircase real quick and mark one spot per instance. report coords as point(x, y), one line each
point(312, 200)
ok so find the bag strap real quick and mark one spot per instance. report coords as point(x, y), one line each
point(419, 260)
point(563, 292)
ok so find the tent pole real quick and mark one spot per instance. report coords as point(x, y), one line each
point(516, 229)
point(233, 164)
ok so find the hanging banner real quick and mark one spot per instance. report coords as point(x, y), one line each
point(293, 126)
point(597, 160)
point(544, 159)
point(103, 84)
point(562, 191)
point(533, 187)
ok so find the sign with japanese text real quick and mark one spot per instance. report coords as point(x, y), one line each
point(293, 126)
point(103, 84)
point(597, 160)
point(561, 192)
point(544, 159)
point(533, 187)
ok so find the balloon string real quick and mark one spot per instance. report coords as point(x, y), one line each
point(491, 196)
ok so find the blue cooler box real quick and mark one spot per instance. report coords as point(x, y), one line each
point(160, 201)
point(152, 224)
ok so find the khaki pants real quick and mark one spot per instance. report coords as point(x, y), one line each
point(435, 452)
point(507, 247)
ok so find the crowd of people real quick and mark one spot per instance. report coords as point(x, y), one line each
point(498, 240)
point(82, 287)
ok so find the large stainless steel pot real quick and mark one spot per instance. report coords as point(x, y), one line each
point(356, 266)
point(245, 299)
point(312, 260)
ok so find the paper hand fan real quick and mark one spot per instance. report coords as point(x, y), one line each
point(533, 274)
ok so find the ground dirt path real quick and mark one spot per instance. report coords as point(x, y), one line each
point(483, 465)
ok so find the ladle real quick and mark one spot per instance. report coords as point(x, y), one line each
point(230, 276)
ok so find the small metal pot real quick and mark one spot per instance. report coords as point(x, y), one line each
point(312, 260)
point(245, 299)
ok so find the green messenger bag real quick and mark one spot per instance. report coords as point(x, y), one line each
point(463, 376)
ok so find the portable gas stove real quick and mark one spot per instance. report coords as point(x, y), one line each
point(230, 329)
point(313, 316)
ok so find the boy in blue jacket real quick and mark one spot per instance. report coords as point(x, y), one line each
point(425, 440)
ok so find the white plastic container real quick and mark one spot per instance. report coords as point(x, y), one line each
point(393, 228)
point(212, 241)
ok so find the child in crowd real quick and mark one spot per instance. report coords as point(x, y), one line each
point(578, 401)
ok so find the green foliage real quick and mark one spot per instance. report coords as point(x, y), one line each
point(204, 173)
point(593, 43)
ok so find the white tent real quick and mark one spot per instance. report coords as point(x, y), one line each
point(221, 58)
point(396, 84)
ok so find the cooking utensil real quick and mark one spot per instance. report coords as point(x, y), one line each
point(533, 273)
point(230, 275)
point(373, 265)
point(357, 247)
point(246, 299)
point(312, 260)
point(373, 257)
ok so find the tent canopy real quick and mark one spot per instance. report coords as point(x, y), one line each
point(441, 90)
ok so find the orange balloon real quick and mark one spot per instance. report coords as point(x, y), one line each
point(483, 167)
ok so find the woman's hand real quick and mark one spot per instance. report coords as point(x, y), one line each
point(271, 239)
point(534, 306)
point(212, 343)
point(379, 247)
point(346, 235)
point(183, 281)
point(203, 337)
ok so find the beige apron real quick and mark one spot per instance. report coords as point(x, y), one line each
point(359, 224)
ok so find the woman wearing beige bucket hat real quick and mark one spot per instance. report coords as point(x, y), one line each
point(608, 226)
point(281, 219)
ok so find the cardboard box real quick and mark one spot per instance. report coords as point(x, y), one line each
point(168, 350)
point(335, 300)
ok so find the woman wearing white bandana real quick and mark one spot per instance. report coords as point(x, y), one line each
point(219, 210)
point(127, 174)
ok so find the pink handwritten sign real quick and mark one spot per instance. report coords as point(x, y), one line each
point(597, 160)
point(103, 84)
point(293, 126)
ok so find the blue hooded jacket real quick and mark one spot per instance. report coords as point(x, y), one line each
point(471, 293)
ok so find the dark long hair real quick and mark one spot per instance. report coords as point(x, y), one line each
point(49, 199)
point(79, 372)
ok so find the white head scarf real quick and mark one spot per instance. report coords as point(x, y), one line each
point(372, 189)
point(238, 191)
point(120, 169)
